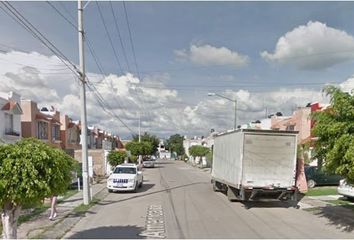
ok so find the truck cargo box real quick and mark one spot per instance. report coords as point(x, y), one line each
point(250, 159)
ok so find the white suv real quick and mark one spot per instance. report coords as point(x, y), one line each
point(125, 177)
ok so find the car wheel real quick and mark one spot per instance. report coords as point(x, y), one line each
point(110, 190)
point(136, 187)
point(141, 183)
point(350, 198)
point(311, 183)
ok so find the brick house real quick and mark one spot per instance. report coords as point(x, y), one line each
point(10, 117)
point(43, 124)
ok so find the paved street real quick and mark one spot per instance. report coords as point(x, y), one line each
point(182, 196)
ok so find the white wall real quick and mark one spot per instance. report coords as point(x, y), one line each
point(4, 98)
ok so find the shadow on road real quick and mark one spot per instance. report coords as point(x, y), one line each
point(340, 216)
point(111, 232)
point(165, 162)
point(107, 202)
point(268, 204)
point(157, 165)
point(144, 188)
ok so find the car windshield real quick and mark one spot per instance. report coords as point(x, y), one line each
point(125, 170)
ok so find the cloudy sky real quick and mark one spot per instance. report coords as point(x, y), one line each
point(270, 56)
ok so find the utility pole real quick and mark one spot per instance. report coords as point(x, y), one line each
point(235, 121)
point(230, 99)
point(85, 175)
point(139, 138)
point(139, 128)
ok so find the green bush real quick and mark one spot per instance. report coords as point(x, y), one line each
point(198, 151)
point(209, 159)
point(116, 157)
point(133, 158)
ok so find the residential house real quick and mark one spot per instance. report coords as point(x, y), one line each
point(43, 124)
point(264, 124)
point(117, 143)
point(69, 134)
point(300, 121)
point(10, 117)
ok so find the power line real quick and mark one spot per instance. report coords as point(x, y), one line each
point(105, 106)
point(62, 15)
point(134, 57)
point(67, 11)
point(119, 35)
point(93, 54)
point(131, 40)
point(38, 35)
point(20, 19)
point(109, 37)
point(32, 66)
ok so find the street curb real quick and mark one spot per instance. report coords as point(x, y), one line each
point(60, 228)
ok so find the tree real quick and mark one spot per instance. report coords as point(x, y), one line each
point(30, 170)
point(152, 139)
point(334, 128)
point(198, 151)
point(175, 144)
point(116, 157)
point(142, 148)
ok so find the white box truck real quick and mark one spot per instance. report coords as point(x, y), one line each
point(250, 164)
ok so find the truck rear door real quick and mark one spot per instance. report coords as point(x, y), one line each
point(269, 160)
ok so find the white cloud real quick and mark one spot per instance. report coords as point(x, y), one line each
point(208, 55)
point(348, 85)
point(162, 110)
point(313, 46)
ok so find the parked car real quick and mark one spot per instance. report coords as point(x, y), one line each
point(148, 163)
point(125, 177)
point(346, 189)
point(316, 177)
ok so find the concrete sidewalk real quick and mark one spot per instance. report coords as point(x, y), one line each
point(318, 201)
point(41, 224)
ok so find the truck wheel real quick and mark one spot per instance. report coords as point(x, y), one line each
point(216, 186)
point(311, 183)
point(232, 194)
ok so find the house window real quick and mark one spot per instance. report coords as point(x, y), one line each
point(9, 123)
point(42, 130)
point(73, 136)
point(56, 132)
point(290, 128)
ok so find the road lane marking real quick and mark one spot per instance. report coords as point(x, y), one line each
point(155, 223)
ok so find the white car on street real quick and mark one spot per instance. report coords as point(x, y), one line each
point(346, 189)
point(125, 177)
point(148, 163)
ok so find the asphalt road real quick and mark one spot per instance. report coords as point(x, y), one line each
point(177, 201)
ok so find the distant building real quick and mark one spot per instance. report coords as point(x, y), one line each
point(10, 117)
point(199, 141)
point(163, 152)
